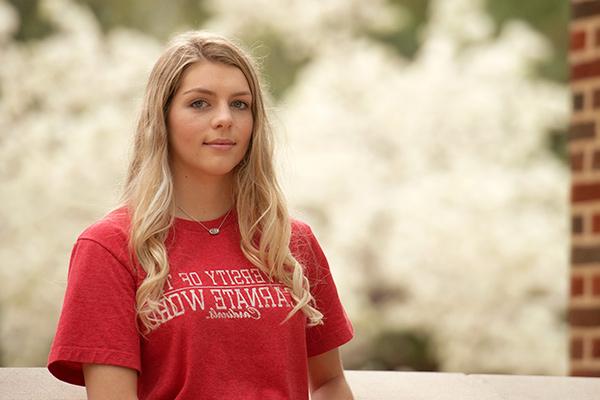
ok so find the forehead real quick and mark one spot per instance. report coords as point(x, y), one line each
point(217, 77)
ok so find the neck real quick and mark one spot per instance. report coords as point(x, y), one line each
point(204, 198)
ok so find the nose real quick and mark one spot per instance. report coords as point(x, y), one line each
point(222, 118)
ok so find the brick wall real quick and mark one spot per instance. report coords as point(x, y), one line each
point(584, 150)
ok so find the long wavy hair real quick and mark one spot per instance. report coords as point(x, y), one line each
point(263, 218)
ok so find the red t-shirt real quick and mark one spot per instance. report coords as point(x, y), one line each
point(220, 336)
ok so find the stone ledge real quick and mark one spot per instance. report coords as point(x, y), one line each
point(38, 384)
point(380, 385)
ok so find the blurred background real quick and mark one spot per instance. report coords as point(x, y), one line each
point(423, 140)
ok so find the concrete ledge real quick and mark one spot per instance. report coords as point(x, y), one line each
point(38, 384)
point(380, 385)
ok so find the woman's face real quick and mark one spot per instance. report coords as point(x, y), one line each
point(209, 121)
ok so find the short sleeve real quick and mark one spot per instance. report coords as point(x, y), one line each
point(98, 318)
point(337, 328)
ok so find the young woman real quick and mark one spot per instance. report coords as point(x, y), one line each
point(200, 285)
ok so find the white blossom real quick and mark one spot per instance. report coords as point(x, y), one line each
point(430, 179)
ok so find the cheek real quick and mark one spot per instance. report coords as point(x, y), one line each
point(248, 126)
point(179, 129)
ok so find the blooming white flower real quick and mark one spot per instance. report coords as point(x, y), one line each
point(429, 182)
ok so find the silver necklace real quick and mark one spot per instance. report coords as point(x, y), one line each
point(212, 231)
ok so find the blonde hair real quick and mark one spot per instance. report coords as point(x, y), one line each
point(263, 218)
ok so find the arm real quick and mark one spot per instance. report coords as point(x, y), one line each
point(326, 375)
point(110, 382)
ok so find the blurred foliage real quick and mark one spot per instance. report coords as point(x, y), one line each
point(278, 66)
point(156, 17)
point(549, 17)
point(32, 26)
point(406, 39)
point(487, 127)
point(402, 351)
point(557, 143)
point(160, 19)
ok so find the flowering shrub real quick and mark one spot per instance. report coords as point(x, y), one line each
point(430, 184)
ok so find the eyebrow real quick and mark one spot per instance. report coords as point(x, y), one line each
point(210, 92)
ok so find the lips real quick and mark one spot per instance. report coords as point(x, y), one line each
point(220, 144)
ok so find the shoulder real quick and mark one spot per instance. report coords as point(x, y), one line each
point(301, 234)
point(110, 232)
point(300, 228)
point(113, 224)
point(304, 244)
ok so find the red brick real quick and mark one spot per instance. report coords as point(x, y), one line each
point(591, 373)
point(577, 40)
point(584, 70)
point(577, 161)
point(596, 285)
point(576, 348)
point(596, 223)
point(585, 255)
point(596, 160)
point(576, 286)
point(596, 348)
point(582, 130)
point(584, 317)
point(585, 192)
point(584, 9)
point(596, 99)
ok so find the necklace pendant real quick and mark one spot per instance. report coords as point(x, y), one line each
point(214, 231)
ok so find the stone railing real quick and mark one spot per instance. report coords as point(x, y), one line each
point(38, 384)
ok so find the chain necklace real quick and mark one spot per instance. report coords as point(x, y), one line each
point(212, 231)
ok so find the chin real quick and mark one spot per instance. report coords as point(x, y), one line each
point(215, 169)
point(216, 172)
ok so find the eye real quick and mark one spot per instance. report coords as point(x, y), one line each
point(198, 104)
point(242, 105)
